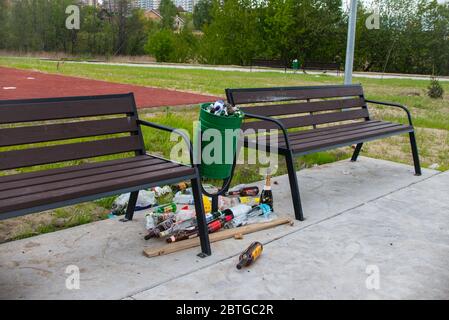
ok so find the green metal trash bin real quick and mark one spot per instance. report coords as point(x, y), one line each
point(295, 64)
point(208, 120)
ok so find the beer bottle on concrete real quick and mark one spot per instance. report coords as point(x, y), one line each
point(250, 255)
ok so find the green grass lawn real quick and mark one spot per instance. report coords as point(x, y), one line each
point(431, 118)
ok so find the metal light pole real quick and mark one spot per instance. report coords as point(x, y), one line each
point(351, 42)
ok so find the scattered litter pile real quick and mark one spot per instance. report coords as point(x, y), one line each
point(175, 220)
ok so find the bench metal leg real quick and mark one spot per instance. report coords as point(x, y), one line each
point(357, 150)
point(131, 206)
point(294, 188)
point(415, 153)
point(214, 202)
point(201, 219)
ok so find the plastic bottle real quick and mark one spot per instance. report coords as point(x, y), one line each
point(250, 201)
point(165, 208)
point(260, 210)
point(149, 221)
point(185, 214)
point(181, 198)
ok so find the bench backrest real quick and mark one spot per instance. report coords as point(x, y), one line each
point(299, 107)
point(54, 121)
point(271, 63)
point(312, 65)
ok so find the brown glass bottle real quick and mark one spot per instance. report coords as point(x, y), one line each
point(250, 255)
point(244, 192)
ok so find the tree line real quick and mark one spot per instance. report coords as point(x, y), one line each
point(408, 36)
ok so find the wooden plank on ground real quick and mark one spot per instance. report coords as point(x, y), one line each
point(213, 237)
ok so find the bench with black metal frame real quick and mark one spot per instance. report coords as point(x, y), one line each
point(108, 125)
point(323, 66)
point(342, 111)
point(269, 63)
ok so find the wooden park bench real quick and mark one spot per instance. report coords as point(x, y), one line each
point(269, 63)
point(313, 119)
point(323, 66)
point(108, 125)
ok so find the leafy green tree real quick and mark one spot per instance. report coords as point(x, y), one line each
point(138, 27)
point(413, 35)
point(202, 14)
point(168, 46)
point(168, 12)
point(4, 27)
point(233, 37)
point(161, 45)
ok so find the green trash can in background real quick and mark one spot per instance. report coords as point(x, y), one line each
point(221, 123)
point(295, 64)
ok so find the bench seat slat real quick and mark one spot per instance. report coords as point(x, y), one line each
point(84, 180)
point(303, 121)
point(304, 107)
point(333, 128)
point(341, 132)
point(83, 166)
point(74, 151)
point(63, 108)
point(63, 131)
point(314, 137)
point(91, 186)
point(322, 133)
point(84, 170)
point(298, 146)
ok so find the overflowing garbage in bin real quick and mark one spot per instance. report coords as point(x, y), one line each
point(224, 109)
point(220, 117)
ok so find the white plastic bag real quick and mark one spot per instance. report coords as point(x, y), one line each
point(146, 199)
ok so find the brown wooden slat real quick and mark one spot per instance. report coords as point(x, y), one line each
point(292, 108)
point(72, 174)
point(301, 147)
point(322, 132)
point(63, 131)
point(85, 180)
point(64, 108)
point(324, 129)
point(332, 128)
point(295, 122)
point(74, 151)
point(37, 199)
point(245, 96)
point(54, 171)
point(336, 129)
point(335, 134)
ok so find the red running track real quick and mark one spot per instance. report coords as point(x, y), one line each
point(25, 84)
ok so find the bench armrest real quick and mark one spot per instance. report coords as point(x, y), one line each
point(170, 129)
point(396, 105)
point(276, 121)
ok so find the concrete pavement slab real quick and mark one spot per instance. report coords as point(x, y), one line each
point(394, 247)
point(109, 253)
